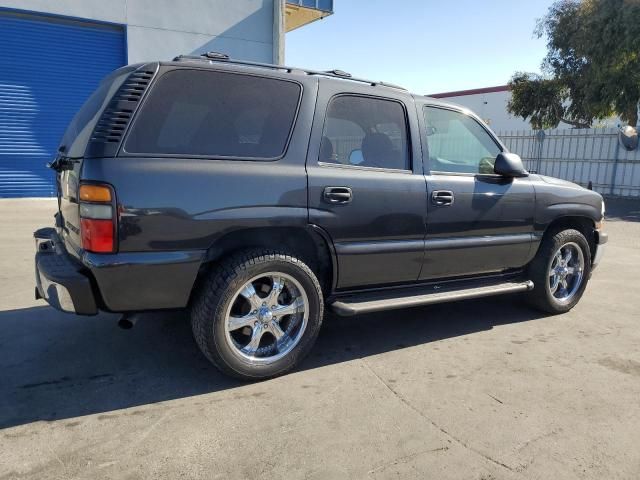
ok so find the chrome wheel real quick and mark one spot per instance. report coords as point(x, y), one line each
point(267, 317)
point(566, 272)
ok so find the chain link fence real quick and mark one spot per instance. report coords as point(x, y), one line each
point(584, 156)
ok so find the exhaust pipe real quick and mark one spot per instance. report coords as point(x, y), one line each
point(127, 321)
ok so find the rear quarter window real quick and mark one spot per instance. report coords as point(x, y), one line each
point(79, 130)
point(216, 114)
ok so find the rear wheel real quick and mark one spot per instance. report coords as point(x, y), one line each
point(258, 314)
point(560, 271)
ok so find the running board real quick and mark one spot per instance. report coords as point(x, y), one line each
point(412, 297)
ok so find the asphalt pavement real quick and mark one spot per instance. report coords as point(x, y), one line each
point(484, 389)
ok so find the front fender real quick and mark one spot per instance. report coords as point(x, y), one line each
point(557, 198)
point(556, 211)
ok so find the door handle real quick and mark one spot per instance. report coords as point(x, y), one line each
point(338, 194)
point(442, 197)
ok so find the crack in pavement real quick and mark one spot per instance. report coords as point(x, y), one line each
point(555, 431)
point(405, 459)
point(448, 434)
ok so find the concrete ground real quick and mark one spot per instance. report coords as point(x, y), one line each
point(485, 389)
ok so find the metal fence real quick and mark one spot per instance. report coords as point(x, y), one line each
point(581, 156)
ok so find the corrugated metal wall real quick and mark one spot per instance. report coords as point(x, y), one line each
point(48, 68)
point(581, 156)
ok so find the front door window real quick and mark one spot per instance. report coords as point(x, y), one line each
point(458, 143)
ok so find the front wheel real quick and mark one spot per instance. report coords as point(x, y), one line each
point(258, 314)
point(560, 271)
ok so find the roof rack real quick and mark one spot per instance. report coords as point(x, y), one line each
point(224, 58)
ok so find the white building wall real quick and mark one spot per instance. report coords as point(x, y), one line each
point(162, 29)
point(492, 108)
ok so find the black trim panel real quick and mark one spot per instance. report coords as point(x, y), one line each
point(368, 248)
point(332, 252)
point(478, 241)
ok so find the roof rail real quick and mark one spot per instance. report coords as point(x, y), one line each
point(338, 73)
point(224, 58)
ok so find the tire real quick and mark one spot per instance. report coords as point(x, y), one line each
point(561, 299)
point(226, 297)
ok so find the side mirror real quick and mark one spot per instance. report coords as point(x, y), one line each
point(628, 138)
point(355, 157)
point(509, 165)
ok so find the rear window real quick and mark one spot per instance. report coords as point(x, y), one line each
point(195, 112)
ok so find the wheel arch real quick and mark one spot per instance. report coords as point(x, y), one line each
point(582, 223)
point(311, 244)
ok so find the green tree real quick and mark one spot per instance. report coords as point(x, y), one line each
point(592, 67)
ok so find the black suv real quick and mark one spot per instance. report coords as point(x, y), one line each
point(257, 195)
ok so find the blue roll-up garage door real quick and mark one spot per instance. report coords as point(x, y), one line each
point(48, 68)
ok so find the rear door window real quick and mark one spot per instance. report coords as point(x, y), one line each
point(203, 113)
point(365, 132)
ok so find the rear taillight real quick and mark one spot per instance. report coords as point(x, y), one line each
point(97, 218)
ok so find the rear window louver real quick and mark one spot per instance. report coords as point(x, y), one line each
point(111, 125)
point(109, 130)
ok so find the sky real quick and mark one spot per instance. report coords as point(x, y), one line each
point(426, 46)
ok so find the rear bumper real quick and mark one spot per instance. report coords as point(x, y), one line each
point(122, 282)
point(601, 240)
point(60, 279)
point(140, 281)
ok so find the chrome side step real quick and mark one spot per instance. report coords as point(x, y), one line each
point(413, 297)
